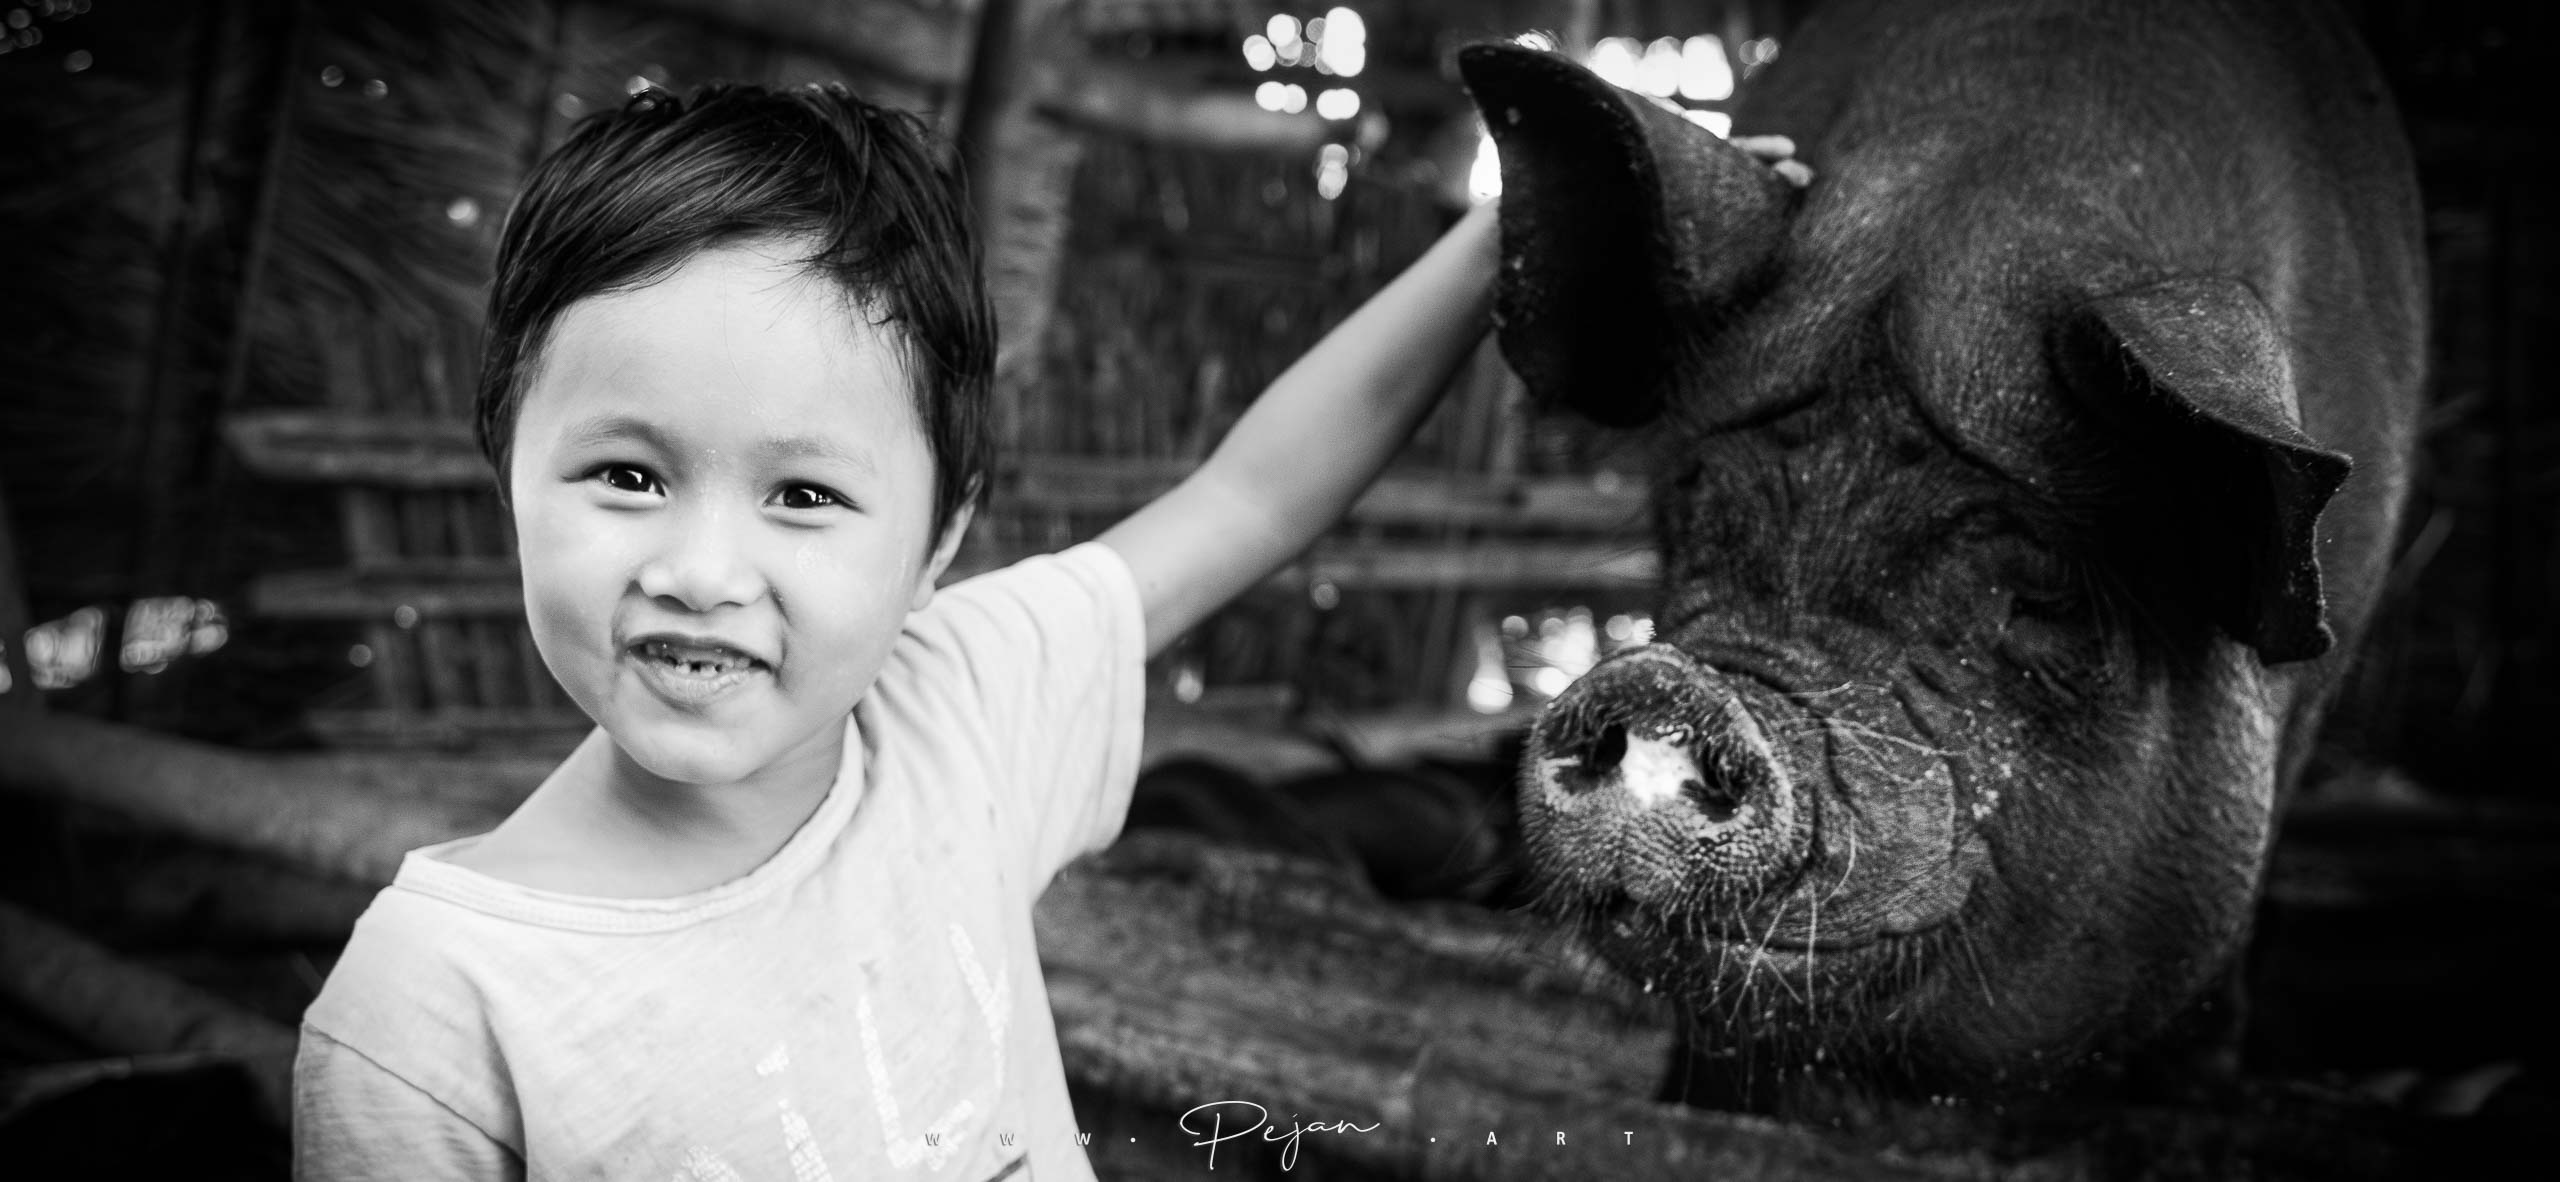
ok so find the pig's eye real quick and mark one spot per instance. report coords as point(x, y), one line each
point(2042, 584)
point(2056, 626)
point(2047, 608)
point(2044, 603)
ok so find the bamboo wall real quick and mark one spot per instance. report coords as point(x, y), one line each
point(224, 218)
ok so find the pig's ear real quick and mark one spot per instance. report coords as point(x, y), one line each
point(2198, 364)
point(1626, 229)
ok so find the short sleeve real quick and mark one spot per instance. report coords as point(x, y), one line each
point(353, 1119)
point(1053, 650)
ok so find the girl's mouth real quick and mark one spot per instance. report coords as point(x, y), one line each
point(693, 673)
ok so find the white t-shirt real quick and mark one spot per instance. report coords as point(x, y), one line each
point(867, 1003)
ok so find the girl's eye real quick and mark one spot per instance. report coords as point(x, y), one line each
point(803, 496)
point(626, 478)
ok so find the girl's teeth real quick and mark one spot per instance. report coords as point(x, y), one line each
point(699, 665)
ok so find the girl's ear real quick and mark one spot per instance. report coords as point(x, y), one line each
point(945, 549)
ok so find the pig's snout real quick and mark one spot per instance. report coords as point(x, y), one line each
point(1651, 776)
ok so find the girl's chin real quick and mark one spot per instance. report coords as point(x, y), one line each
point(709, 756)
point(678, 763)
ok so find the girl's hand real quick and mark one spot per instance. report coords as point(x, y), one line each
point(1778, 152)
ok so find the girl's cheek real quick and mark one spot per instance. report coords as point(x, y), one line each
point(837, 563)
point(558, 520)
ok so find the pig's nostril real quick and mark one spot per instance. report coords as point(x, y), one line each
point(1715, 798)
point(1607, 750)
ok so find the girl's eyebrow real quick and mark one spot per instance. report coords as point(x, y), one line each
point(818, 447)
point(616, 429)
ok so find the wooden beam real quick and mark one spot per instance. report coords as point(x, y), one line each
point(1159, 107)
point(1492, 565)
point(1401, 736)
point(2442, 144)
point(201, 897)
point(1122, 17)
point(461, 588)
point(548, 731)
point(921, 44)
point(351, 816)
point(935, 47)
point(120, 1007)
point(1608, 504)
point(1486, 17)
point(2366, 854)
point(448, 588)
point(1182, 972)
point(440, 454)
point(319, 811)
point(338, 448)
point(1265, 747)
point(2324, 858)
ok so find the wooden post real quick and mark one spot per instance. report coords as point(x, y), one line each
point(18, 696)
point(988, 95)
point(1021, 169)
point(178, 450)
point(147, 444)
point(125, 1008)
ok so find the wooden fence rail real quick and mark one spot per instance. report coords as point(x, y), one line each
point(1183, 973)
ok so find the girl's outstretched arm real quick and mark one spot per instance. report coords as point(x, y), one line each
point(1324, 430)
point(1314, 440)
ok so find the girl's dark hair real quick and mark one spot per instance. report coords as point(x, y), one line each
point(634, 193)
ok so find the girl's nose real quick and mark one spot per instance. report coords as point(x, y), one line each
point(703, 565)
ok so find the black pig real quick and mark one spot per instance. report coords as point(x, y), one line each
point(2002, 482)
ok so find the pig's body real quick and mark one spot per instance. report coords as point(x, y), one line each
point(2251, 139)
point(2004, 580)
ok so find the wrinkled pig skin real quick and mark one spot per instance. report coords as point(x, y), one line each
point(2002, 483)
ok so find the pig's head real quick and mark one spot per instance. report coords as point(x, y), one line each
point(1985, 544)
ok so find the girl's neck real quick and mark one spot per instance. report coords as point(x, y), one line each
point(762, 810)
point(603, 825)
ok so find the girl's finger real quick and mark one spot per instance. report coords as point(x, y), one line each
point(1767, 147)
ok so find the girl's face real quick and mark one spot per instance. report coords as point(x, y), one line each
point(723, 506)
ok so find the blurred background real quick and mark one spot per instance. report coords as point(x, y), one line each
point(243, 249)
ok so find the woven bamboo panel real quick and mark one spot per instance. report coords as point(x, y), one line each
point(1175, 283)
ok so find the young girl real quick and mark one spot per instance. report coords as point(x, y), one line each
point(772, 919)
